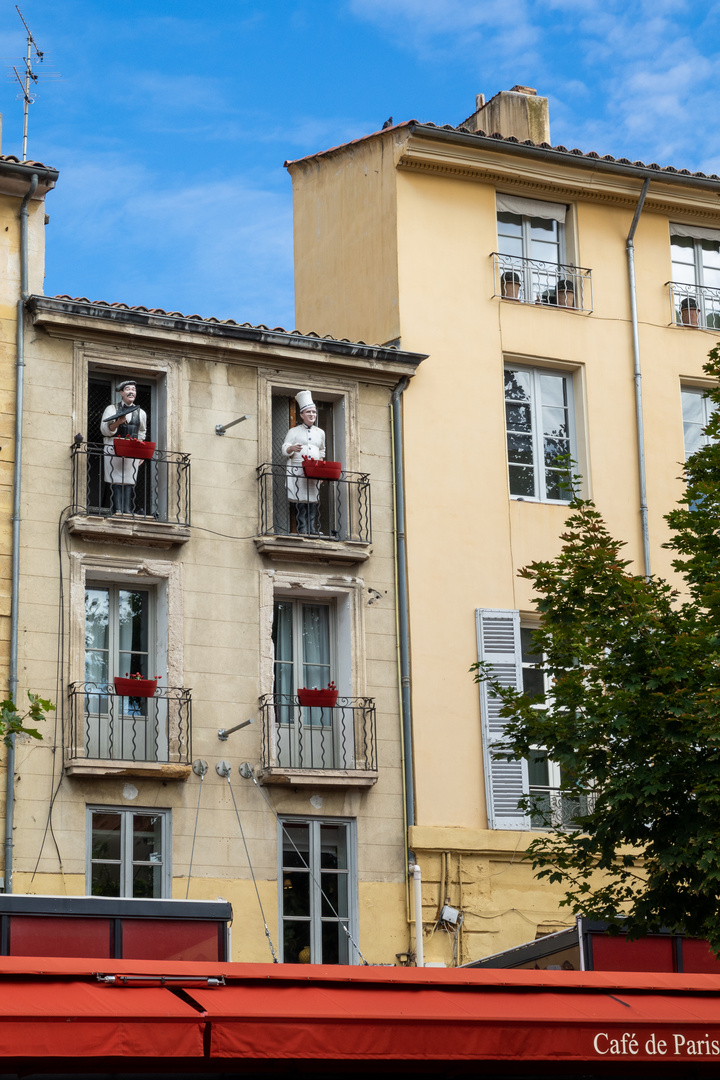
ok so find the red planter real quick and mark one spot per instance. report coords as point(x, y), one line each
point(322, 470)
point(319, 698)
point(135, 687)
point(135, 448)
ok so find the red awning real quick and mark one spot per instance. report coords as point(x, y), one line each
point(58, 1009)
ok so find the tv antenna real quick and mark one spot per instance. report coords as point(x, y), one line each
point(31, 77)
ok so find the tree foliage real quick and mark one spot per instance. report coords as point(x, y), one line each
point(633, 715)
point(13, 722)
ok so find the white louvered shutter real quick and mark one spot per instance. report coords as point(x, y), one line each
point(498, 634)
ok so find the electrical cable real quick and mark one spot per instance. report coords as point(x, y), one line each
point(192, 849)
point(317, 884)
point(59, 696)
point(252, 872)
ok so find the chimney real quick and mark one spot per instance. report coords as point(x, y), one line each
point(519, 112)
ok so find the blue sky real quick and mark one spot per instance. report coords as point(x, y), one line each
point(172, 119)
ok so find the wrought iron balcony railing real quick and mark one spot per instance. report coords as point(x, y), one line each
point(319, 737)
point(551, 808)
point(161, 490)
point(694, 305)
point(107, 726)
point(342, 511)
point(532, 281)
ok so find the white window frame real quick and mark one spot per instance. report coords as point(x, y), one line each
point(703, 297)
point(126, 843)
point(537, 435)
point(298, 661)
point(707, 408)
point(317, 918)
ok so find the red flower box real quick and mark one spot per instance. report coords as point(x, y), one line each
point(319, 698)
point(133, 448)
point(127, 687)
point(322, 470)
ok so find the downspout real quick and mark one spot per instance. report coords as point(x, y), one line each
point(638, 377)
point(402, 596)
point(414, 869)
point(15, 586)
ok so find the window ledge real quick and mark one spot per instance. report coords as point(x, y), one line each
point(294, 548)
point(89, 767)
point(337, 778)
point(120, 529)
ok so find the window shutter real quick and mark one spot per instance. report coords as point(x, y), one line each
point(498, 634)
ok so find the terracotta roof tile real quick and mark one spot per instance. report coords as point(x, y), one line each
point(213, 319)
point(12, 160)
point(560, 149)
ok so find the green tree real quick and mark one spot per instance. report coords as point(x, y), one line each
point(633, 715)
point(13, 722)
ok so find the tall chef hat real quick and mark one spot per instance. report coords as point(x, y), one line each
point(126, 382)
point(304, 400)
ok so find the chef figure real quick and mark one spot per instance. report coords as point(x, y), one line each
point(121, 472)
point(304, 440)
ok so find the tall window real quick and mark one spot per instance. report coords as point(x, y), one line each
point(697, 409)
point(539, 423)
point(118, 638)
point(531, 253)
point(318, 891)
point(696, 271)
point(128, 853)
point(302, 640)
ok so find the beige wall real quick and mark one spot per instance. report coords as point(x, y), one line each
point(466, 537)
point(221, 630)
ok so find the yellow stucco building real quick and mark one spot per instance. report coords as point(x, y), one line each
point(567, 302)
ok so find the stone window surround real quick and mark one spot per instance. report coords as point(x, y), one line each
point(348, 594)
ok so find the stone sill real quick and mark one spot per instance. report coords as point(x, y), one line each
point(296, 548)
point(88, 767)
point(121, 529)
point(336, 778)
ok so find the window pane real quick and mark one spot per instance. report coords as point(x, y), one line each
point(335, 895)
point(553, 390)
point(296, 851)
point(538, 772)
point(316, 645)
point(282, 631)
point(96, 618)
point(296, 893)
point(147, 838)
point(558, 485)
point(334, 944)
point(555, 422)
point(333, 847)
point(518, 417)
point(509, 224)
point(528, 647)
point(105, 879)
point(710, 254)
point(296, 942)
point(106, 834)
point(147, 882)
point(693, 407)
point(693, 438)
point(518, 384)
point(522, 481)
point(520, 449)
point(133, 625)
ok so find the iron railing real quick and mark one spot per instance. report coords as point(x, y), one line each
point(161, 490)
point(551, 808)
point(319, 737)
point(694, 305)
point(533, 281)
point(106, 725)
point(343, 508)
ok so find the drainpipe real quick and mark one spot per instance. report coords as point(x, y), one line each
point(638, 376)
point(403, 626)
point(414, 869)
point(15, 587)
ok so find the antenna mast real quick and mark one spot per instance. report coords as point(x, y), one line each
point(30, 76)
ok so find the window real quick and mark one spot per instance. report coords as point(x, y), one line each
point(128, 853)
point(540, 430)
point(508, 648)
point(318, 890)
point(695, 254)
point(118, 632)
point(697, 409)
point(302, 635)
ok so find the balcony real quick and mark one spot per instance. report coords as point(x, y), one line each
point(159, 513)
point(532, 281)
point(551, 808)
point(344, 533)
point(141, 736)
point(319, 746)
point(694, 305)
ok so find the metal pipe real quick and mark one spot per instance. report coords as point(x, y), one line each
point(224, 732)
point(414, 869)
point(15, 586)
point(220, 429)
point(629, 246)
point(403, 620)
